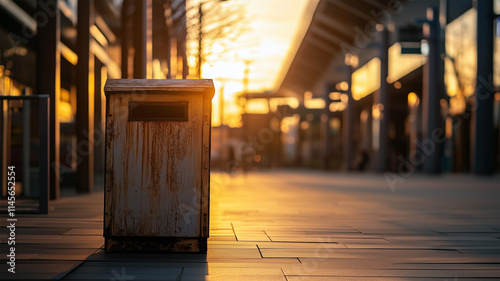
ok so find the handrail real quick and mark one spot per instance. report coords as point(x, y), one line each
point(43, 114)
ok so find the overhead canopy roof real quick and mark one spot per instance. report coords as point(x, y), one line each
point(334, 28)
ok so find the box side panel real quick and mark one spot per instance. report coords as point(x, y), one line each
point(205, 201)
point(157, 173)
point(108, 190)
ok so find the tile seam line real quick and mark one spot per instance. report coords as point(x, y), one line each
point(71, 271)
point(76, 267)
point(234, 232)
point(268, 236)
point(282, 271)
point(179, 277)
point(260, 252)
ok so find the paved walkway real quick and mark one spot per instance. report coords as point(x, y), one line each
point(289, 225)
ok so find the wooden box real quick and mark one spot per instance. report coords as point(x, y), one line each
point(157, 165)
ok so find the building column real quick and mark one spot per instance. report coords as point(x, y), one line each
point(140, 39)
point(85, 99)
point(298, 161)
point(126, 17)
point(325, 128)
point(348, 121)
point(381, 102)
point(49, 81)
point(484, 156)
point(433, 91)
point(99, 118)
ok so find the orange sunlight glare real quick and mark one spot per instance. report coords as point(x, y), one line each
point(258, 53)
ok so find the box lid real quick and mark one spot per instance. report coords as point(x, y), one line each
point(173, 85)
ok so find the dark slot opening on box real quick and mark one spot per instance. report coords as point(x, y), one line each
point(158, 111)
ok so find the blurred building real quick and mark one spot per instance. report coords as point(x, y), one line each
point(398, 86)
point(67, 49)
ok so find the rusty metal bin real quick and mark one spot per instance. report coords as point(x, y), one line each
point(157, 165)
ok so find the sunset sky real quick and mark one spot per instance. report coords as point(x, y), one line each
point(272, 25)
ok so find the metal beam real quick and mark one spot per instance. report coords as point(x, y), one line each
point(335, 24)
point(49, 82)
point(376, 4)
point(484, 147)
point(313, 41)
point(98, 36)
point(433, 122)
point(19, 14)
point(352, 10)
point(104, 28)
point(348, 125)
point(311, 70)
point(140, 39)
point(67, 12)
point(68, 54)
point(43, 116)
point(327, 35)
point(299, 77)
point(112, 68)
point(382, 102)
point(316, 53)
point(125, 42)
point(297, 87)
point(85, 99)
point(312, 61)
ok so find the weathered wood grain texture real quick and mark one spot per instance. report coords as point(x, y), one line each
point(108, 155)
point(157, 173)
point(128, 85)
point(205, 166)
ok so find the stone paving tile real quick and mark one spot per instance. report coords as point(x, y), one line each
point(218, 263)
point(82, 232)
point(21, 256)
point(145, 257)
point(254, 260)
point(453, 239)
point(371, 241)
point(40, 230)
point(43, 245)
point(311, 264)
point(305, 239)
point(224, 238)
point(122, 276)
point(428, 246)
point(233, 271)
point(458, 273)
point(263, 263)
point(134, 271)
point(281, 245)
point(60, 239)
point(64, 254)
point(252, 236)
point(233, 278)
point(355, 253)
point(128, 271)
point(368, 278)
point(33, 270)
point(234, 253)
point(249, 245)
